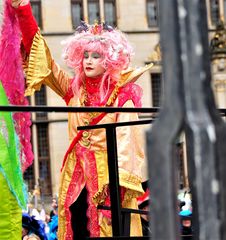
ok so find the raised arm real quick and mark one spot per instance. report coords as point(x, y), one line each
point(27, 22)
point(40, 68)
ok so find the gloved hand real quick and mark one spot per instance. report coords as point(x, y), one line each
point(17, 3)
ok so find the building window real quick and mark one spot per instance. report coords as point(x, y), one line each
point(37, 11)
point(29, 177)
point(44, 159)
point(152, 13)
point(110, 12)
point(93, 11)
point(214, 12)
point(43, 144)
point(156, 83)
point(181, 167)
point(76, 12)
point(40, 99)
point(224, 10)
point(43, 149)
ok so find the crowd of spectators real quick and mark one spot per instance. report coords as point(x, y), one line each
point(38, 225)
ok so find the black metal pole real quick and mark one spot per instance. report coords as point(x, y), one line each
point(114, 182)
point(15, 108)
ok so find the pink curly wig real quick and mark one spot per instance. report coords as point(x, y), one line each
point(110, 43)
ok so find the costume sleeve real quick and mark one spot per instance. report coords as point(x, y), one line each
point(130, 151)
point(39, 66)
point(28, 25)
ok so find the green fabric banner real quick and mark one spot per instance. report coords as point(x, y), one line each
point(10, 166)
point(10, 213)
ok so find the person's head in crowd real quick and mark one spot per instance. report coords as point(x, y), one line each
point(186, 222)
point(54, 203)
point(32, 226)
point(31, 237)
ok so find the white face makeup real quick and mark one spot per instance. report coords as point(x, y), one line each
point(92, 64)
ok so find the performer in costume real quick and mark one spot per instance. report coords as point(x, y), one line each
point(100, 57)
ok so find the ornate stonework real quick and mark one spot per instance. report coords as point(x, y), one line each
point(156, 56)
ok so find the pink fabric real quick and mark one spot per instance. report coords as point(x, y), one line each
point(68, 96)
point(107, 213)
point(76, 186)
point(11, 75)
point(92, 188)
point(132, 92)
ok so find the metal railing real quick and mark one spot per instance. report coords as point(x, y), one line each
point(120, 217)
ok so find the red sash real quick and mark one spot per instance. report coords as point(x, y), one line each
point(79, 135)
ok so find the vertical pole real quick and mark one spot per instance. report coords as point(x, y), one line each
point(35, 149)
point(114, 181)
point(86, 12)
point(200, 126)
point(102, 15)
point(161, 138)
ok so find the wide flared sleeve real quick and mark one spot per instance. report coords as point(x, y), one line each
point(40, 68)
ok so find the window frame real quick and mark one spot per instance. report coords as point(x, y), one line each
point(41, 99)
point(114, 13)
point(85, 11)
point(79, 2)
point(157, 14)
point(47, 189)
point(212, 23)
point(42, 123)
point(156, 100)
point(99, 10)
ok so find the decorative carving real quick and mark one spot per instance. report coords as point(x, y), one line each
point(156, 56)
point(218, 42)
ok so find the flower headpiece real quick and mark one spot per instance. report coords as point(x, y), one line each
point(95, 29)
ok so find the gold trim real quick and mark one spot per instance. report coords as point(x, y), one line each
point(39, 68)
point(131, 75)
